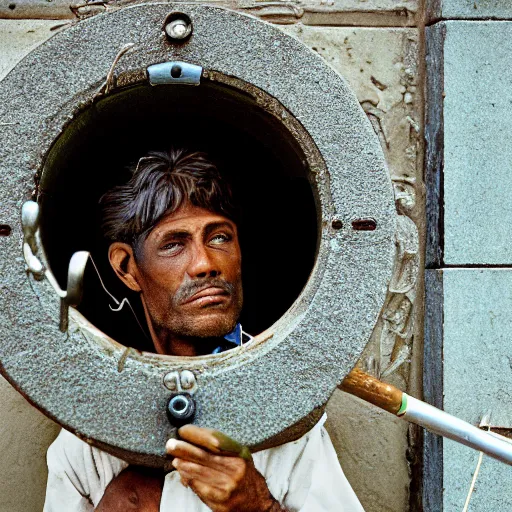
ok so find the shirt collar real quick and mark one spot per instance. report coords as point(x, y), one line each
point(235, 336)
point(233, 339)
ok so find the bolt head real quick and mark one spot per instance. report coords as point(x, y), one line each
point(188, 379)
point(171, 381)
point(337, 224)
point(178, 29)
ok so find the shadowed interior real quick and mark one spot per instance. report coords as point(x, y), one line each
point(264, 163)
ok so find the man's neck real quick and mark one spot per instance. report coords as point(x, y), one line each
point(168, 344)
point(175, 347)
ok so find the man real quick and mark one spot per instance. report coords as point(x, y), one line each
point(173, 240)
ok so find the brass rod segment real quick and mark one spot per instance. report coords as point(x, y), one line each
point(372, 390)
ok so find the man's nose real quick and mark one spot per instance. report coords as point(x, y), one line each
point(202, 264)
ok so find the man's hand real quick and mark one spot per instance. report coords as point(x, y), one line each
point(220, 471)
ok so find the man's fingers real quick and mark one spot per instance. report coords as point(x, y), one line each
point(193, 471)
point(187, 451)
point(181, 450)
point(214, 441)
point(184, 481)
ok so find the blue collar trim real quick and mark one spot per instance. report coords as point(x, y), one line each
point(233, 338)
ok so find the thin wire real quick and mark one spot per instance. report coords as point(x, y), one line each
point(121, 304)
point(102, 283)
point(473, 481)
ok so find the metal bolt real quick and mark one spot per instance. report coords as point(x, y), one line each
point(176, 71)
point(337, 224)
point(171, 381)
point(181, 409)
point(188, 379)
point(178, 29)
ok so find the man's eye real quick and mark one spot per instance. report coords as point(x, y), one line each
point(171, 247)
point(220, 239)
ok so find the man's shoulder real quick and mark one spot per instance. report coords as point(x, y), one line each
point(88, 468)
point(66, 448)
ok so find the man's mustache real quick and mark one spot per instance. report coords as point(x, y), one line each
point(187, 290)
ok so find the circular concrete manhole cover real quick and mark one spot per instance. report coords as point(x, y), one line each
point(320, 287)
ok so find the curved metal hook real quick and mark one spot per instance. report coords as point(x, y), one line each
point(75, 288)
point(72, 295)
point(30, 226)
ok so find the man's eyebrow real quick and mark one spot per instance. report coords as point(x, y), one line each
point(218, 225)
point(175, 234)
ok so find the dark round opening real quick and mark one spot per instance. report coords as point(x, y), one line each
point(264, 163)
point(179, 405)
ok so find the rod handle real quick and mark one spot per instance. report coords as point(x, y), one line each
point(372, 390)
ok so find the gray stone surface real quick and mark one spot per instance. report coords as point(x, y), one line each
point(304, 354)
point(493, 489)
point(477, 353)
point(309, 12)
point(477, 143)
point(477, 379)
point(469, 9)
point(336, 12)
point(381, 67)
point(25, 433)
point(40, 9)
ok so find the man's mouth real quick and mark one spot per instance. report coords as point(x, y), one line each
point(206, 296)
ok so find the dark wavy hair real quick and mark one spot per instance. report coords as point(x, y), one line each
point(160, 184)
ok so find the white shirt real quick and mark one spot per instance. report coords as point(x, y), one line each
point(303, 475)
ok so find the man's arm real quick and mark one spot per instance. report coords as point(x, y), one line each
point(220, 471)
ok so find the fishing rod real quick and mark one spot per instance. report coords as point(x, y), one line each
point(404, 406)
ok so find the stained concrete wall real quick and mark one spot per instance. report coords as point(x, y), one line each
point(377, 48)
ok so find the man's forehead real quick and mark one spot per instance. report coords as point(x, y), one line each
point(189, 218)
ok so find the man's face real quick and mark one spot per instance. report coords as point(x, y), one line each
point(189, 272)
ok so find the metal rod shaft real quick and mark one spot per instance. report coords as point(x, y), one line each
point(446, 425)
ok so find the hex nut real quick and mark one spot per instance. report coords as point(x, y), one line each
point(179, 28)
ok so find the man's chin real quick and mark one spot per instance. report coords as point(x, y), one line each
point(209, 326)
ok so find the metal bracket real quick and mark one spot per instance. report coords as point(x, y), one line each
point(181, 382)
point(175, 72)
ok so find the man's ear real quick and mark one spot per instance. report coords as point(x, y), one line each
point(122, 260)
